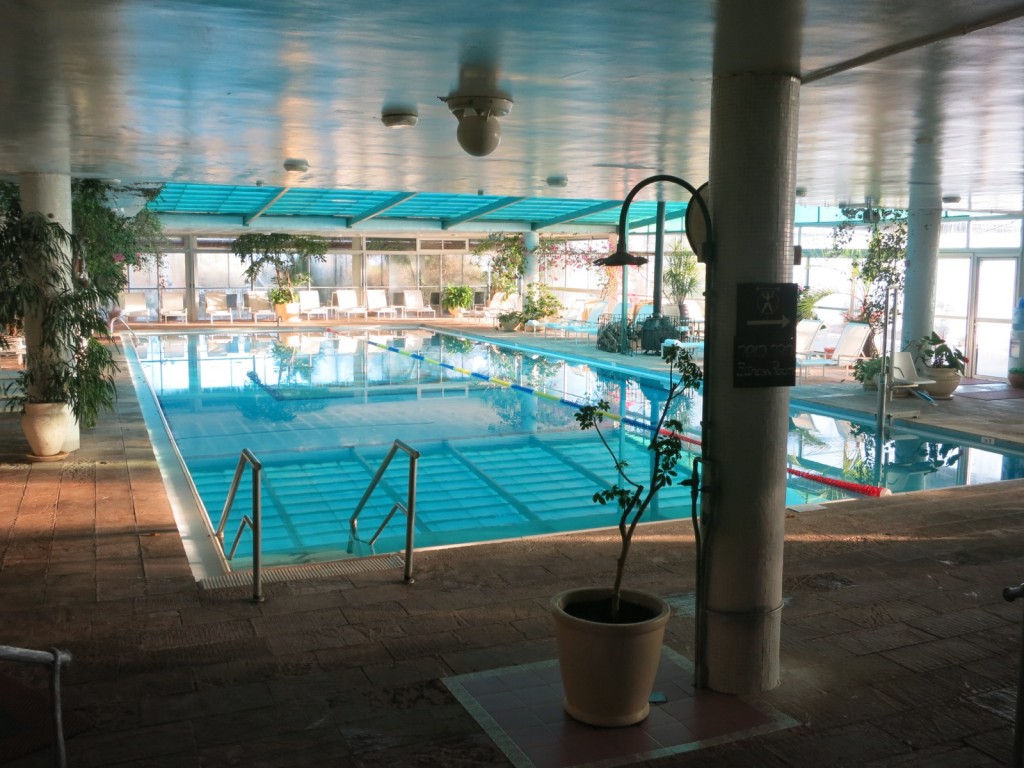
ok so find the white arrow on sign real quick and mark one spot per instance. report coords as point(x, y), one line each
point(782, 322)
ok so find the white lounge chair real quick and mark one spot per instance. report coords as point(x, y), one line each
point(260, 306)
point(310, 306)
point(217, 306)
point(172, 304)
point(500, 302)
point(377, 303)
point(806, 332)
point(133, 306)
point(849, 348)
point(414, 305)
point(346, 302)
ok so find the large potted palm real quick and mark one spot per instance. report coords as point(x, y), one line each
point(68, 367)
point(609, 638)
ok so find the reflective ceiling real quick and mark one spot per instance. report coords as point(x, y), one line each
point(605, 93)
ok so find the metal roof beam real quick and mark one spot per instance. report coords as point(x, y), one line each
point(483, 210)
point(538, 225)
point(247, 220)
point(654, 220)
point(398, 199)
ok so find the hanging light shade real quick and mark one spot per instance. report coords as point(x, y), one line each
point(621, 257)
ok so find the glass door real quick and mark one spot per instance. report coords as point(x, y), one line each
point(974, 300)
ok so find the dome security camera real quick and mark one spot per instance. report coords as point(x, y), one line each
point(479, 135)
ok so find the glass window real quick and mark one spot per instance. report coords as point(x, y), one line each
point(218, 270)
point(815, 237)
point(995, 234)
point(172, 271)
point(953, 283)
point(376, 266)
point(402, 271)
point(953, 234)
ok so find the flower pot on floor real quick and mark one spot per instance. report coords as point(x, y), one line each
point(608, 670)
point(45, 426)
point(946, 382)
point(1016, 380)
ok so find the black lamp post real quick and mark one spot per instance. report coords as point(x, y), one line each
point(622, 258)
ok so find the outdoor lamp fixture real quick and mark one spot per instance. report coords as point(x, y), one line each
point(703, 249)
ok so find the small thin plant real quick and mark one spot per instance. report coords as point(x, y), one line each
point(631, 497)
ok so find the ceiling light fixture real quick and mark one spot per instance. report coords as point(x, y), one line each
point(399, 118)
point(951, 199)
point(296, 164)
point(557, 181)
point(479, 131)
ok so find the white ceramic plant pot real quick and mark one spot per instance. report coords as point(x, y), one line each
point(946, 382)
point(45, 426)
point(608, 670)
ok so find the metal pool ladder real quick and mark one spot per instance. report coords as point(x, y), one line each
point(409, 508)
point(254, 522)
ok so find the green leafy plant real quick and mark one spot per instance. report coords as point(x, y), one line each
point(39, 282)
point(806, 301)
point(287, 254)
point(866, 370)
point(511, 320)
point(934, 352)
point(456, 297)
point(631, 497)
point(507, 257)
point(540, 302)
point(279, 296)
point(682, 275)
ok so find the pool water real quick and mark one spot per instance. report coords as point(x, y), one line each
point(501, 453)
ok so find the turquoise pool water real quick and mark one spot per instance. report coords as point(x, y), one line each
point(501, 454)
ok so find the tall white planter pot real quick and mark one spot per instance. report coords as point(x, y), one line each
point(45, 426)
point(608, 670)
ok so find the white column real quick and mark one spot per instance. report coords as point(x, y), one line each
point(50, 195)
point(755, 100)
point(924, 225)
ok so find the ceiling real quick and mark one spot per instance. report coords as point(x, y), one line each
point(606, 93)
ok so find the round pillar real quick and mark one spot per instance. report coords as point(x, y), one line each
point(755, 99)
point(924, 225)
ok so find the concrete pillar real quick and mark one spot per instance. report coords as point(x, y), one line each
point(755, 99)
point(531, 274)
point(924, 224)
point(50, 195)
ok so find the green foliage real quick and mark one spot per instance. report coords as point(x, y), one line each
point(456, 297)
point(682, 274)
point(866, 369)
point(287, 254)
point(508, 257)
point(66, 363)
point(540, 302)
point(633, 498)
point(279, 295)
point(807, 299)
point(934, 352)
point(882, 268)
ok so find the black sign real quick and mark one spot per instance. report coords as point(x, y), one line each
point(764, 348)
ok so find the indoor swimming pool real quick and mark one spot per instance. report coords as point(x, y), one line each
point(501, 454)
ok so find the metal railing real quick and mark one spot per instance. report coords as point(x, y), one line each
point(409, 508)
point(53, 659)
point(254, 522)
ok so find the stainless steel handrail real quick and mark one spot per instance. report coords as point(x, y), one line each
point(254, 522)
point(409, 508)
point(53, 659)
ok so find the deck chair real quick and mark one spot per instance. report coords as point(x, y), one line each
point(13, 346)
point(346, 303)
point(310, 306)
point(492, 308)
point(574, 314)
point(849, 348)
point(590, 325)
point(172, 304)
point(133, 306)
point(260, 306)
point(806, 332)
point(377, 303)
point(414, 305)
point(217, 306)
point(905, 376)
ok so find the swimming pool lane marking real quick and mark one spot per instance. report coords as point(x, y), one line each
point(847, 485)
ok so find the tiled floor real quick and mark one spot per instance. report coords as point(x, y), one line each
point(520, 708)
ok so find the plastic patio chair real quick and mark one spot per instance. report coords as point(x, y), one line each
point(346, 302)
point(377, 303)
point(849, 348)
point(172, 304)
point(414, 304)
point(217, 306)
point(309, 305)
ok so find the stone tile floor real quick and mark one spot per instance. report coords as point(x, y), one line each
point(897, 646)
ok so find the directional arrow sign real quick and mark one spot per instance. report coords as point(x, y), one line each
point(764, 349)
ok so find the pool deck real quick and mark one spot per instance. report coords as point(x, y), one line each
point(897, 646)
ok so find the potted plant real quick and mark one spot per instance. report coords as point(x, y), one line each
point(941, 362)
point(288, 255)
point(540, 303)
point(43, 288)
point(866, 371)
point(682, 277)
point(609, 639)
point(510, 321)
point(1016, 378)
point(455, 299)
